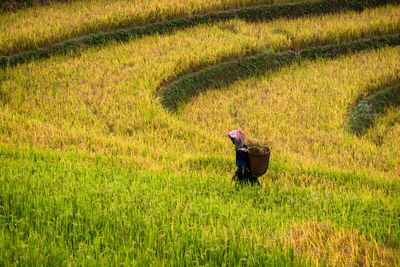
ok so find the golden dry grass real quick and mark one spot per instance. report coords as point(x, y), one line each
point(327, 246)
point(109, 107)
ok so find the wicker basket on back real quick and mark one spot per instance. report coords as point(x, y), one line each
point(259, 161)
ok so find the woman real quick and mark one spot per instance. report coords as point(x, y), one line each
point(243, 173)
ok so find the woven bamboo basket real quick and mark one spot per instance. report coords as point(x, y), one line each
point(259, 163)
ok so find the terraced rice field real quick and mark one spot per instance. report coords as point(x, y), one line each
point(117, 154)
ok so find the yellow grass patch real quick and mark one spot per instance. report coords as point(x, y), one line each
point(324, 244)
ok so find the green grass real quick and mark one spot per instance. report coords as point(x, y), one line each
point(59, 208)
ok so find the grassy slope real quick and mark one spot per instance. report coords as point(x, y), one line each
point(116, 212)
point(60, 208)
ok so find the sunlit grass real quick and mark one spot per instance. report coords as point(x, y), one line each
point(285, 34)
point(27, 28)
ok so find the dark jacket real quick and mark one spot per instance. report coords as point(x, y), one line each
point(242, 159)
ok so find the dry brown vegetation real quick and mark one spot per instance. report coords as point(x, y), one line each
point(256, 146)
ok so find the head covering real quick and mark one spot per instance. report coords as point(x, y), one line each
point(238, 139)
